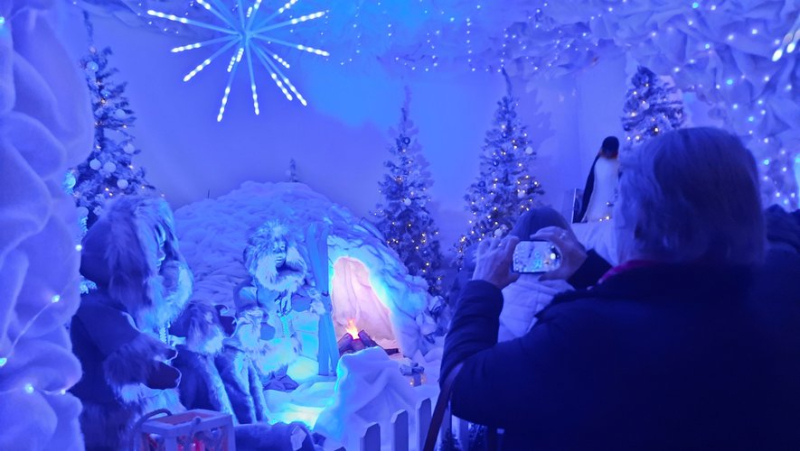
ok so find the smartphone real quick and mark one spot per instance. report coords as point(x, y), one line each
point(536, 257)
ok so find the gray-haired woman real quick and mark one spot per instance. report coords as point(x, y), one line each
point(669, 350)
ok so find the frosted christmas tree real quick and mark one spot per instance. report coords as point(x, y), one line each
point(505, 187)
point(109, 170)
point(403, 217)
point(652, 107)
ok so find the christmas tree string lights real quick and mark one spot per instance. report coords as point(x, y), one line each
point(109, 170)
point(403, 218)
point(505, 188)
point(652, 107)
point(249, 37)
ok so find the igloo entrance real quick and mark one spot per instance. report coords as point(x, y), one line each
point(356, 306)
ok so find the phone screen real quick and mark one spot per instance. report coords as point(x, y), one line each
point(532, 257)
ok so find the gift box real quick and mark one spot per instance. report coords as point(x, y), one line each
point(414, 372)
point(193, 430)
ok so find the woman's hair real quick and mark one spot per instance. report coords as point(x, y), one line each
point(535, 219)
point(610, 147)
point(692, 195)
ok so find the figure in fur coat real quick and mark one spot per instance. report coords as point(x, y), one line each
point(239, 374)
point(282, 286)
point(202, 386)
point(143, 283)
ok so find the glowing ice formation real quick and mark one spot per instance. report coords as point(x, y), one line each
point(249, 40)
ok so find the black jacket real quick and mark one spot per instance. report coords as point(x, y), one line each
point(662, 357)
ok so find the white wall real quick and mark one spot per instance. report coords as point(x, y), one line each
point(339, 141)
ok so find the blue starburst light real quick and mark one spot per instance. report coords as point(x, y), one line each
point(247, 36)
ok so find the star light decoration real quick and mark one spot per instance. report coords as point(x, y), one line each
point(247, 36)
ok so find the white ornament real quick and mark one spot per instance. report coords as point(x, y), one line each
point(529, 150)
point(407, 201)
point(122, 183)
point(128, 148)
point(109, 167)
point(83, 212)
point(92, 67)
point(119, 113)
point(95, 164)
point(250, 40)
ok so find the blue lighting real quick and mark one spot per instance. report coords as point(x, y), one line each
point(729, 82)
point(695, 5)
point(2, 21)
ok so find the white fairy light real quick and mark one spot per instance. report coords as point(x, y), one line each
point(249, 39)
point(789, 42)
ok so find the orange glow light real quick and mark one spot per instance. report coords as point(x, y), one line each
point(351, 328)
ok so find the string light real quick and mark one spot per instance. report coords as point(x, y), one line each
point(54, 299)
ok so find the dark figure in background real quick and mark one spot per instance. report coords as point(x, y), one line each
point(601, 185)
point(676, 348)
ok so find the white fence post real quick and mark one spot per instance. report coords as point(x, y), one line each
point(371, 441)
point(401, 431)
point(424, 422)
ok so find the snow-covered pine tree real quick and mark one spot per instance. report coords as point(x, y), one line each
point(652, 107)
point(505, 187)
point(109, 171)
point(403, 217)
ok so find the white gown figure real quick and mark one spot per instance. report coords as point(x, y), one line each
point(604, 191)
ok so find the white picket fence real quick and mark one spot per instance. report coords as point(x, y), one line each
point(404, 437)
point(401, 430)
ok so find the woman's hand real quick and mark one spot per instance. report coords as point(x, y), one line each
point(493, 261)
point(573, 254)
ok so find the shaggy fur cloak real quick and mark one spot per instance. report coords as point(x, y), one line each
point(242, 384)
point(114, 332)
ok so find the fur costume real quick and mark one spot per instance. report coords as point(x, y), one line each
point(202, 386)
point(242, 384)
point(114, 332)
point(271, 283)
point(281, 289)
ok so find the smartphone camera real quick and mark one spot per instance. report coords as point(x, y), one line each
point(536, 257)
